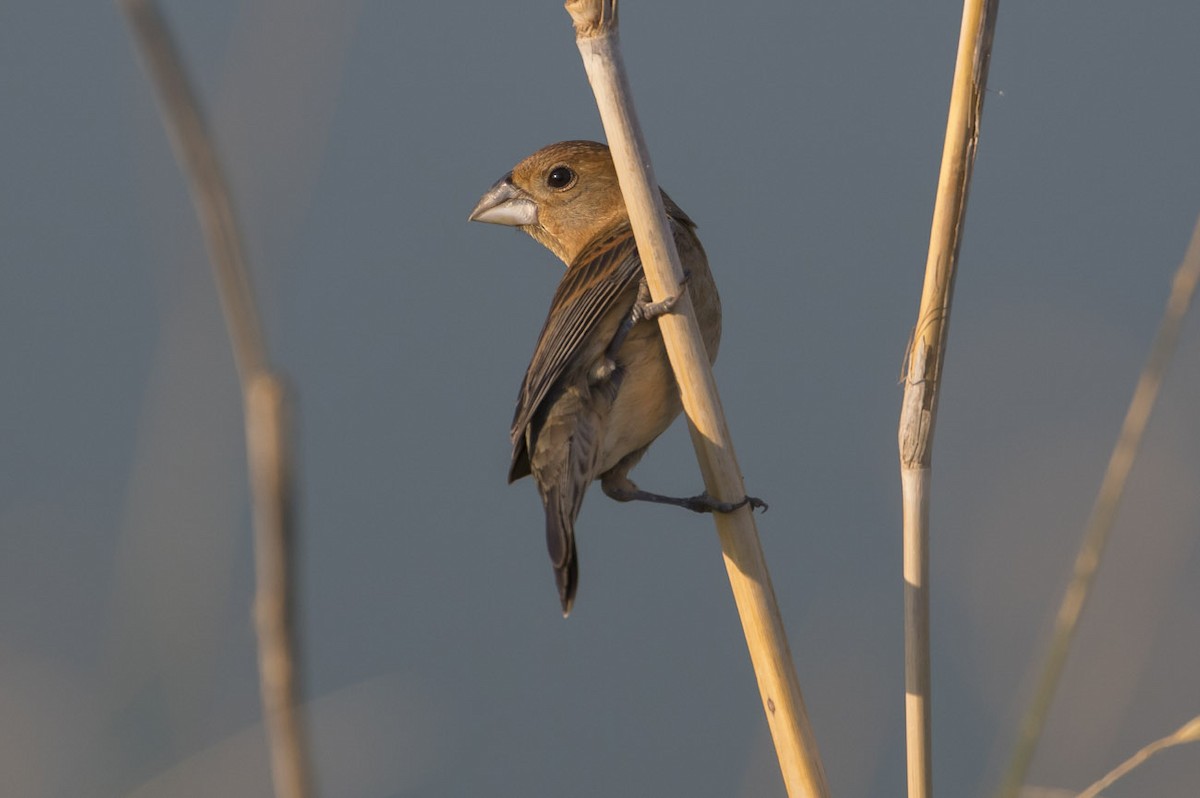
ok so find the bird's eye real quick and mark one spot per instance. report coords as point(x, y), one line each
point(560, 177)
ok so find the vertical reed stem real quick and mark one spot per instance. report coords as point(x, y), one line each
point(922, 383)
point(264, 397)
point(597, 38)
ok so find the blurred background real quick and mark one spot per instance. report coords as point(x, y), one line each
point(804, 139)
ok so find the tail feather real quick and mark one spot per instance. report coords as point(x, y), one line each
point(563, 459)
point(560, 542)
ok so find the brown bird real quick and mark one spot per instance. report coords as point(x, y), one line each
point(599, 389)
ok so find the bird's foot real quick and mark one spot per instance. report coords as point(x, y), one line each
point(643, 309)
point(702, 503)
point(707, 504)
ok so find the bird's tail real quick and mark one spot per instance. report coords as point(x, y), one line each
point(560, 542)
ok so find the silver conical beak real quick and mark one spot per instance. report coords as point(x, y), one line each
point(504, 203)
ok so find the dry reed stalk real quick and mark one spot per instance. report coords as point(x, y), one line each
point(597, 37)
point(1103, 515)
point(922, 380)
point(264, 397)
point(1187, 733)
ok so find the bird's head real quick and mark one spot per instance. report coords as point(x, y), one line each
point(564, 195)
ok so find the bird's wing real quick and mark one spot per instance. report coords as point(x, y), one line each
point(598, 278)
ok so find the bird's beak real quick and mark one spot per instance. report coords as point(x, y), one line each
point(504, 203)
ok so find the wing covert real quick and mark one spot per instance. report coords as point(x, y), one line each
point(603, 272)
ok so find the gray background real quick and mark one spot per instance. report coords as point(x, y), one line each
point(804, 138)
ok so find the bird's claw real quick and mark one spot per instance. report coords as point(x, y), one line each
point(757, 504)
point(652, 310)
point(643, 310)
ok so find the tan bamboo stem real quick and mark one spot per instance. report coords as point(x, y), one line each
point(597, 38)
point(922, 382)
point(263, 394)
point(1103, 515)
